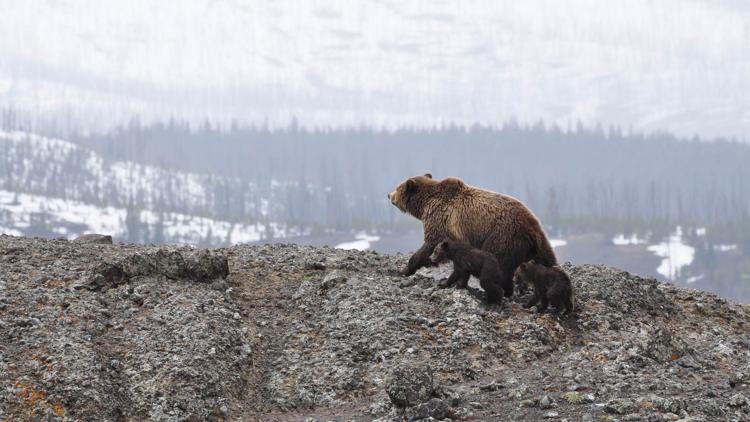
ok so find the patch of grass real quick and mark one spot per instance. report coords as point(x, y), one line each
point(573, 397)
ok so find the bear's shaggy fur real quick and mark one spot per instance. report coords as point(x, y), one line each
point(496, 223)
point(467, 261)
point(551, 286)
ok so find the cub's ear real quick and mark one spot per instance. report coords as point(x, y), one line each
point(428, 175)
point(411, 185)
point(532, 262)
point(444, 245)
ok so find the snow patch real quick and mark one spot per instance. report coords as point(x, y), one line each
point(558, 243)
point(675, 253)
point(362, 243)
point(725, 248)
point(693, 279)
point(622, 240)
point(20, 212)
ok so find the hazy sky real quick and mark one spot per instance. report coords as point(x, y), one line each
point(682, 66)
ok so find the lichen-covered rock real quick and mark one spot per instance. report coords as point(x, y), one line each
point(101, 239)
point(287, 332)
point(434, 408)
point(103, 275)
point(621, 406)
point(205, 265)
point(410, 385)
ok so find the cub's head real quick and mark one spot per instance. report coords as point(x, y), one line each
point(440, 253)
point(524, 273)
point(409, 196)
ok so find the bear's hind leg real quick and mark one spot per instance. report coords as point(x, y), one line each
point(569, 307)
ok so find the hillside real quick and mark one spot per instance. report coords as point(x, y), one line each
point(109, 332)
point(53, 187)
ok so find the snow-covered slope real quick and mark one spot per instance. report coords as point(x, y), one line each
point(51, 187)
point(39, 164)
point(37, 215)
point(676, 65)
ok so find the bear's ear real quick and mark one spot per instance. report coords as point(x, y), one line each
point(428, 175)
point(411, 185)
point(532, 262)
point(444, 245)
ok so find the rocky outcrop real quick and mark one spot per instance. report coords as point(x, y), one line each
point(92, 331)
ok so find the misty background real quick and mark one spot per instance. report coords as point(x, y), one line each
point(623, 125)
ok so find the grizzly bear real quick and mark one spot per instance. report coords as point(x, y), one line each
point(551, 285)
point(470, 261)
point(496, 223)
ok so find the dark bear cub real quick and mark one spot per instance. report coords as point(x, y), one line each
point(468, 261)
point(551, 285)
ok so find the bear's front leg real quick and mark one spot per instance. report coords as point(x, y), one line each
point(421, 258)
point(533, 301)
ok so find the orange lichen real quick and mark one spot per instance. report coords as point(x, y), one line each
point(33, 398)
point(58, 409)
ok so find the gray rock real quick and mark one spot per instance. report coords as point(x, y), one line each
point(545, 402)
point(205, 265)
point(379, 408)
point(93, 238)
point(434, 408)
point(410, 385)
point(332, 279)
point(103, 275)
point(620, 406)
point(738, 400)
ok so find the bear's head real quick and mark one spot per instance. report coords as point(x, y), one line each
point(440, 253)
point(412, 194)
point(523, 274)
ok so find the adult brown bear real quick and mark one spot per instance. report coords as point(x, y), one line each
point(496, 223)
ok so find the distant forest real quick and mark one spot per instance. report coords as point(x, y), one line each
point(576, 179)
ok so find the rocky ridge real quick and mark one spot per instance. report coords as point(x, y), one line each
point(94, 331)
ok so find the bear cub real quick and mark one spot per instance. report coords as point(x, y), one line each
point(468, 261)
point(551, 286)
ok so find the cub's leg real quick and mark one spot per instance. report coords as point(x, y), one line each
point(494, 292)
point(507, 268)
point(489, 279)
point(542, 304)
point(451, 280)
point(533, 300)
point(463, 280)
point(569, 306)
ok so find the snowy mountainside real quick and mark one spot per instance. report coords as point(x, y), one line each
point(52, 187)
point(669, 65)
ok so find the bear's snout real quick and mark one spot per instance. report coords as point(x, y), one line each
point(392, 197)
